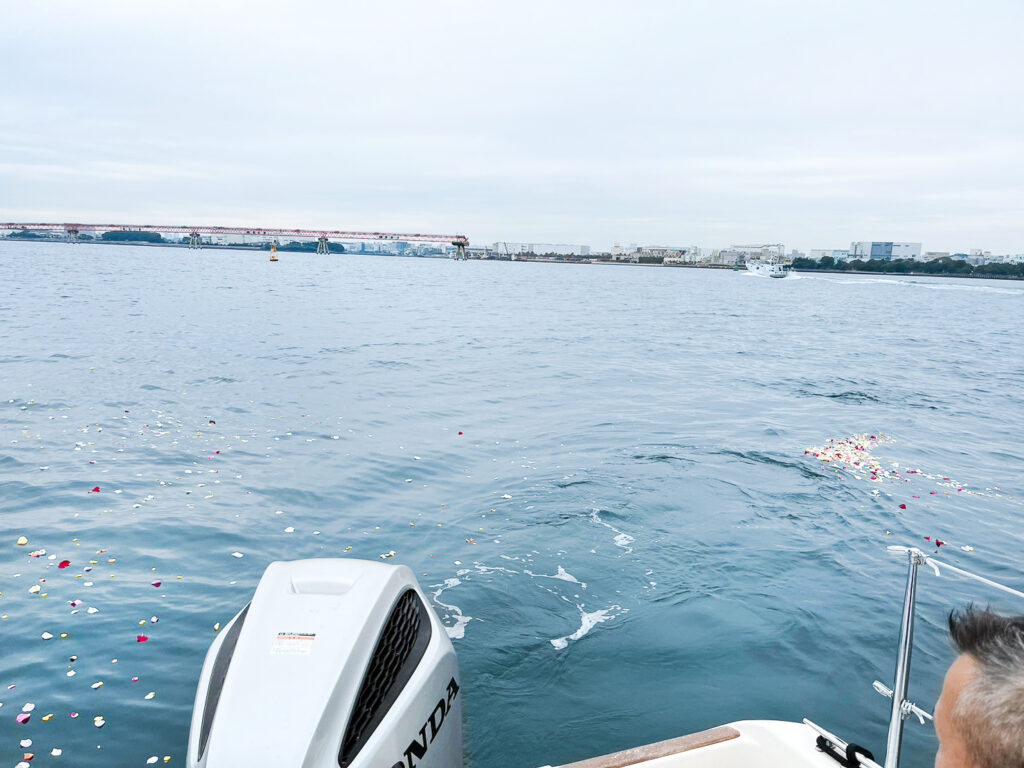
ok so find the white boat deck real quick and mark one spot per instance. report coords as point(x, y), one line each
point(743, 744)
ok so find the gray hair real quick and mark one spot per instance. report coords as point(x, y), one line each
point(989, 713)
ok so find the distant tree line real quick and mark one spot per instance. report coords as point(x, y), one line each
point(305, 247)
point(132, 237)
point(122, 236)
point(548, 255)
point(116, 237)
point(941, 266)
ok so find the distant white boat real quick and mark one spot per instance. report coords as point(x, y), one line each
point(770, 266)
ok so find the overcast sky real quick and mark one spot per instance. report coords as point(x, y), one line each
point(676, 122)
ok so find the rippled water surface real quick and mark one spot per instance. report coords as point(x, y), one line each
point(599, 472)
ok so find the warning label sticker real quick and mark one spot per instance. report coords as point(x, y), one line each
point(293, 643)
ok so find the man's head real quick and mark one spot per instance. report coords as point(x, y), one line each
point(979, 718)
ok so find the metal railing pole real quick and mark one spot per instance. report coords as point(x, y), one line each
point(902, 679)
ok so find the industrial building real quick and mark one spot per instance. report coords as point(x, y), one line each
point(886, 251)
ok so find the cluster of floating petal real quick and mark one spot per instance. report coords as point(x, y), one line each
point(854, 455)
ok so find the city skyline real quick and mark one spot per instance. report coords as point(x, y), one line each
point(196, 236)
point(815, 124)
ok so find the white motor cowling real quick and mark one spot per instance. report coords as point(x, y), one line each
point(334, 664)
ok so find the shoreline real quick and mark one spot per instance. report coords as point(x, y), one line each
point(534, 260)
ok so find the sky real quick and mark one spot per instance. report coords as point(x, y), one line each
point(679, 122)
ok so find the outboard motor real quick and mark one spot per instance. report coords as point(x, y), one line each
point(334, 664)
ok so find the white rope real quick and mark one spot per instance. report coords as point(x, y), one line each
point(936, 564)
point(976, 577)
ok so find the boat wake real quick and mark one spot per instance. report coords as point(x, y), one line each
point(842, 280)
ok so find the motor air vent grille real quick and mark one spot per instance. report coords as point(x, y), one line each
point(220, 671)
point(399, 649)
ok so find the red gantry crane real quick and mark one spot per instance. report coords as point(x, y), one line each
point(323, 236)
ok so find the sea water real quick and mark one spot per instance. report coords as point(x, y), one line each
point(598, 474)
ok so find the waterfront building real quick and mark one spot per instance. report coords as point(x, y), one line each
point(619, 250)
point(728, 256)
point(228, 239)
point(676, 256)
point(932, 255)
point(632, 257)
point(753, 252)
point(884, 250)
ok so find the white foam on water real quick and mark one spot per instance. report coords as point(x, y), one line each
point(624, 540)
point(561, 575)
point(566, 576)
point(458, 629)
point(588, 620)
point(456, 620)
point(973, 288)
point(963, 285)
point(621, 539)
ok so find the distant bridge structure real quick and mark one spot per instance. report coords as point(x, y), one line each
point(322, 236)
